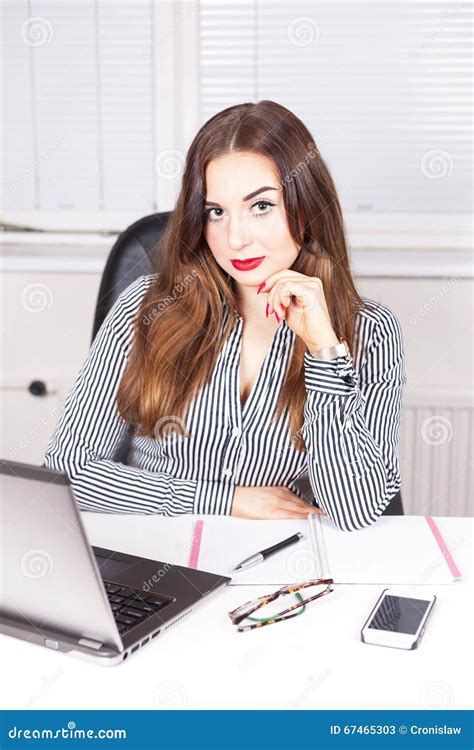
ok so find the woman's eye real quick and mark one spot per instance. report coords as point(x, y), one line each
point(209, 211)
point(266, 210)
point(215, 214)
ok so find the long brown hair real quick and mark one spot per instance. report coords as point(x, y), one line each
point(178, 331)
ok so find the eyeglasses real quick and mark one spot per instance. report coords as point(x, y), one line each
point(245, 610)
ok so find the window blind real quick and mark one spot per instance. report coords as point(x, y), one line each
point(78, 110)
point(384, 88)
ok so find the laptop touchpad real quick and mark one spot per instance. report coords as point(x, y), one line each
point(111, 568)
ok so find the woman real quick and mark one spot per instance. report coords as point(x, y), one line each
point(217, 360)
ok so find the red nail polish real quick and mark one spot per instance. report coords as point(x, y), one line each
point(266, 311)
point(261, 287)
point(276, 316)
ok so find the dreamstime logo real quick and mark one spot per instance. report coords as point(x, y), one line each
point(156, 577)
point(436, 164)
point(47, 682)
point(37, 563)
point(300, 564)
point(435, 565)
point(301, 300)
point(71, 731)
point(33, 434)
point(311, 153)
point(312, 684)
point(178, 21)
point(436, 695)
point(435, 31)
point(170, 694)
point(436, 430)
point(302, 31)
point(36, 31)
point(169, 429)
point(179, 285)
point(434, 299)
point(183, 548)
point(36, 297)
point(43, 156)
point(293, 442)
point(169, 163)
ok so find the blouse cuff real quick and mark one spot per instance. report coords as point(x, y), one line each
point(214, 497)
point(336, 377)
point(328, 379)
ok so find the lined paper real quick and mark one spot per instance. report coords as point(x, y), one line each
point(395, 550)
point(226, 541)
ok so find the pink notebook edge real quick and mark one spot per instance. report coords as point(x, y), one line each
point(196, 545)
point(444, 549)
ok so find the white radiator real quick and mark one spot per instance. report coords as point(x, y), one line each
point(436, 453)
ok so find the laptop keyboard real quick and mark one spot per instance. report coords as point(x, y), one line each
point(131, 607)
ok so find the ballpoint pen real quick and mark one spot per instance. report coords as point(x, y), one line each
point(259, 557)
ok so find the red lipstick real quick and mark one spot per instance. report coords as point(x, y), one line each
point(246, 265)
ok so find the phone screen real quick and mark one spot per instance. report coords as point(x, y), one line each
point(399, 614)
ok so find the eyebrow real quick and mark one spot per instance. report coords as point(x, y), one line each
point(247, 197)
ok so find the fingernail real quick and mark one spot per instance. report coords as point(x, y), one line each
point(276, 316)
point(262, 286)
point(266, 311)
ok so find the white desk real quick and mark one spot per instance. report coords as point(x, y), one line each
point(313, 661)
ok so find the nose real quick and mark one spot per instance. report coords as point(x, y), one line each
point(237, 234)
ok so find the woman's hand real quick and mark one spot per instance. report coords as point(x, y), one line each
point(300, 300)
point(270, 502)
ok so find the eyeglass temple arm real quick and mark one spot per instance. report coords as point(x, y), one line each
point(257, 603)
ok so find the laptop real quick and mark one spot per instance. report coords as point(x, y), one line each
point(60, 592)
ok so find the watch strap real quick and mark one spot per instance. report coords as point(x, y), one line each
point(332, 352)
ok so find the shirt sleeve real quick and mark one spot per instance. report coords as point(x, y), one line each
point(90, 430)
point(351, 428)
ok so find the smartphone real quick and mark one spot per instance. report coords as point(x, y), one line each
point(398, 619)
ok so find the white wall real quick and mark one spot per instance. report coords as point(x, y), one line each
point(436, 316)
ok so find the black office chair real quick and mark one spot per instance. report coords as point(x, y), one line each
point(134, 254)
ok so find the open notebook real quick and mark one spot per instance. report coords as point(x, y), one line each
point(395, 550)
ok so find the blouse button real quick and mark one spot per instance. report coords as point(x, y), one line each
point(236, 432)
point(228, 473)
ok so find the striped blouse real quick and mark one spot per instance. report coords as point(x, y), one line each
point(351, 428)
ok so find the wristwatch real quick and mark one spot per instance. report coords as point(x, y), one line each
point(331, 352)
